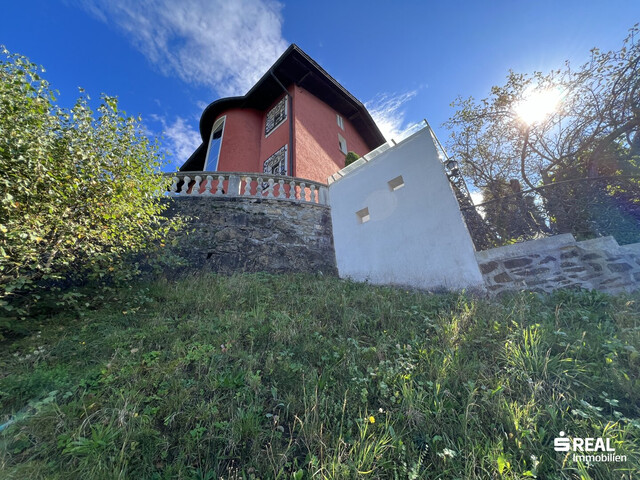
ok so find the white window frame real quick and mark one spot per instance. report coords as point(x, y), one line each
point(342, 141)
point(286, 115)
point(340, 121)
point(221, 121)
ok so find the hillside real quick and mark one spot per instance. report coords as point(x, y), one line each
point(293, 376)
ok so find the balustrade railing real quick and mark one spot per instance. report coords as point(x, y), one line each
point(249, 185)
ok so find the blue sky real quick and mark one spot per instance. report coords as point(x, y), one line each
point(406, 60)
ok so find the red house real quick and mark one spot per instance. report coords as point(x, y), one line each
point(296, 121)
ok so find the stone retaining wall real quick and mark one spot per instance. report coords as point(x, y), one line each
point(230, 235)
point(556, 262)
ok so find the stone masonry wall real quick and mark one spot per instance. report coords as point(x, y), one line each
point(229, 235)
point(561, 262)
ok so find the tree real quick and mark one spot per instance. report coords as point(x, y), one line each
point(512, 213)
point(574, 129)
point(80, 192)
point(590, 129)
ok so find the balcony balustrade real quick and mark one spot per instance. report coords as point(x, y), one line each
point(248, 185)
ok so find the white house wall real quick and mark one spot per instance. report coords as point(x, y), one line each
point(415, 235)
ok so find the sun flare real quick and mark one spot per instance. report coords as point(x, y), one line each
point(537, 104)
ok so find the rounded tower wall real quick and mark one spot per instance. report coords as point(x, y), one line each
point(240, 147)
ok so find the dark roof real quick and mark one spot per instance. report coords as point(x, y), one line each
point(293, 66)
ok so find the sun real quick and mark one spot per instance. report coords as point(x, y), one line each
point(537, 104)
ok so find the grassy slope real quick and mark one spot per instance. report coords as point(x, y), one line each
point(260, 376)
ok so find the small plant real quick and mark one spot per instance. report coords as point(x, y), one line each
point(350, 158)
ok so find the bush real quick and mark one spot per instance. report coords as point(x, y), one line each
point(80, 192)
point(350, 158)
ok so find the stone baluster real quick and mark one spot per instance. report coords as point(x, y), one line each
point(265, 187)
point(292, 190)
point(259, 186)
point(196, 186)
point(208, 183)
point(220, 185)
point(233, 189)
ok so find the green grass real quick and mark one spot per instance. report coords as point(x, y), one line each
point(293, 376)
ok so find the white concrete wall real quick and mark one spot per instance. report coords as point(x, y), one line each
point(415, 235)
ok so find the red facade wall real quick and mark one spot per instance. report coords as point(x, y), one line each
point(318, 155)
point(240, 148)
point(277, 138)
point(244, 147)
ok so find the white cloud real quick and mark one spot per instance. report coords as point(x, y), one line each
point(225, 45)
point(201, 104)
point(386, 110)
point(180, 139)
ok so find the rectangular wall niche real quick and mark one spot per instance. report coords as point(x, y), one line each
point(396, 184)
point(363, 215)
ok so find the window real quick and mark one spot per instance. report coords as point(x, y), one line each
point(396, 184)
point(340, 122)
point(363, 215)
point(276, 116)
point(276, 164)
point(342, 144)
point(215, 141)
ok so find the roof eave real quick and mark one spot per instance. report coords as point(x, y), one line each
point(371, 134)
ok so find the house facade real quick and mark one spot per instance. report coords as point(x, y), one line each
point(297, 121)
point(268, 190)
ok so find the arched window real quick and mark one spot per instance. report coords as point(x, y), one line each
point(215, 141)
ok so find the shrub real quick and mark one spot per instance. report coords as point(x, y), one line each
point(350, 158)
point(80, 191)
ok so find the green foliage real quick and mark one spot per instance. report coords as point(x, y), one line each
point(350, 158)
point(263, 376)
point(80, 189)
point(593, 130)
point(536, 144)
